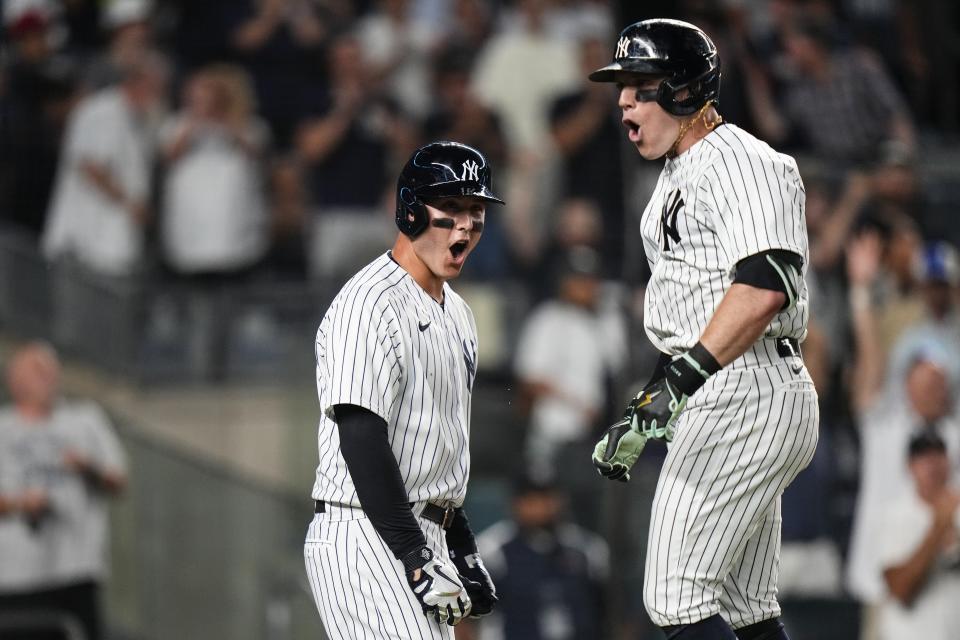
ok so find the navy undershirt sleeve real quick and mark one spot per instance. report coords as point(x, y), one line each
point(376, 476)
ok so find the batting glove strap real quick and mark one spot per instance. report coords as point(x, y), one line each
point(476, 580)
point(689, 371)
point(438, 589)
point(653, 413)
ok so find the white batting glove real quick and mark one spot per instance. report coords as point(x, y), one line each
point(437, 587)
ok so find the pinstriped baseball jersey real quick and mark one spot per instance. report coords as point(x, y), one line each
point(384, 344)
point(728, 197)
point(714, 541)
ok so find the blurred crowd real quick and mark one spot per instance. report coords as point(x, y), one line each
point(224, 142)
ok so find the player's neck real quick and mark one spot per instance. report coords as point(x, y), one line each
point(404, 255)
point(700, 128)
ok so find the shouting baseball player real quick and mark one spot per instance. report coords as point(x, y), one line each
point(726, 304)
point(389, 552)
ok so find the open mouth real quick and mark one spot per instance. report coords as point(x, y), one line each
point(633, 130)
point(457, 249)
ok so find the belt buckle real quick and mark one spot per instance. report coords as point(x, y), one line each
point(448, 514)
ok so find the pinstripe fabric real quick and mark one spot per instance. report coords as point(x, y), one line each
point(385, 345)
point(360, 589)
point(714, 536)
point(714, 539)
point(728, 197)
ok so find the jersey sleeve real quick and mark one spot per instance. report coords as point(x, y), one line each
point(358, 356)
point(757, 204)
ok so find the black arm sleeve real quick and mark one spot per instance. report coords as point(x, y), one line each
point(376, 476)
point(459, 535)
point(777, 270)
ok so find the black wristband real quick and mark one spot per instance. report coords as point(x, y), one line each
point(690, 370)
point(416, 559)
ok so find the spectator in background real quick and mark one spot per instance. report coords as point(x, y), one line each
point(280, 42)
point(918, 396)
point(36, 93)
point(550, 573)
point(287, 258)
point(214, 219)
point(570, 349)
point(586, 134)
point(64, 463)
point(471, 26)
point(100, 203)
point(521, 71)
point(920, 549)
point(130, 37)
point(347, 150)
point(842, 101)
point(458, 115)
point(398, 50)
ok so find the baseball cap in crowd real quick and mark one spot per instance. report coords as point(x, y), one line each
point(938, 262)
point(525, 484)
point(925, 440)
point(27, 23)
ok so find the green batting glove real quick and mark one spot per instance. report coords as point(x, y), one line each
point(618, 450)
point(655, 410)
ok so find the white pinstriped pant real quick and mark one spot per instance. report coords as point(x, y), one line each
point(359, 587)
point(714, 542)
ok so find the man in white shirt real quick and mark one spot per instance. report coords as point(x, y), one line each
point(60, 462)
point(920, 549)
point(100, 200)
point(566, 352)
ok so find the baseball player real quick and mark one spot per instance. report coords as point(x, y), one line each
point(389, 552)
point(726, 304)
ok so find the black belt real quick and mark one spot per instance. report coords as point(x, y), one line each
point(443, 516)
point(788, 347)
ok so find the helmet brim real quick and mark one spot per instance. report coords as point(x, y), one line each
point(629, 69)
point(458, 189)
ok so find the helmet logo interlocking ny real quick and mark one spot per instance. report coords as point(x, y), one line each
point(622, 48)
point(471, 170)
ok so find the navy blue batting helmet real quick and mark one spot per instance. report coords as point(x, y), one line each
point(438, 170)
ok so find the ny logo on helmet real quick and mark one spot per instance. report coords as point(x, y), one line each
point(471, 170)
point(622, 48)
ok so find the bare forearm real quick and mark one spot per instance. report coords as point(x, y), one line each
point(743, 315)
point(101, 178)
point(253, 34)
point(868, 363)
point(902, 130)
point(318, 140)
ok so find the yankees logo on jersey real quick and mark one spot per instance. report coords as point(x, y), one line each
point(668, 219)
point(741, 198)
point(418, 380)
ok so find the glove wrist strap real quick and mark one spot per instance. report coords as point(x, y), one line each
point(692, 369)
point(417, 559)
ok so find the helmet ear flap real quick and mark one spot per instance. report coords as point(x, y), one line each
point(411, 214)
